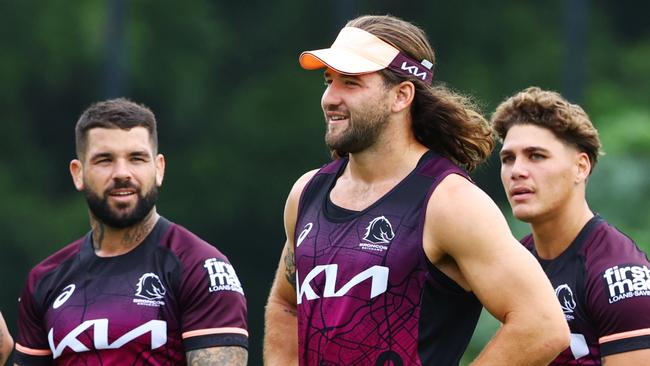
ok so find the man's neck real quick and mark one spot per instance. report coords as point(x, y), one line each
point(394, 156)
point(554, 235)
point(110, 242)
point(372, 173)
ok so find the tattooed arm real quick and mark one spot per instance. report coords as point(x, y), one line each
point(218, 356)
point(6, 342)
point(281, 323)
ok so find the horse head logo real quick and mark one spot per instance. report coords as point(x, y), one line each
point(379, 231)
point(150, 287)
point(565, 296)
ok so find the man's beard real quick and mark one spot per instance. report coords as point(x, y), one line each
point(363, 131)
point(111, 217)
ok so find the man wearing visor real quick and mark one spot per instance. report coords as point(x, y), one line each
point(391, 249)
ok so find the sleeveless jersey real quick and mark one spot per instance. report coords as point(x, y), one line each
point(366, 292)
point(171, 294)
point(602, 281)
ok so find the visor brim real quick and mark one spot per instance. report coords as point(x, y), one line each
point(340, 60)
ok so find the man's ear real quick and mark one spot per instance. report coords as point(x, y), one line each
point(583, 165)
point(160, 169)
point(76, 171)
point(404, 94)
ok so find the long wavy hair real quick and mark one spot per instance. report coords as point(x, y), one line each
point(444, 121)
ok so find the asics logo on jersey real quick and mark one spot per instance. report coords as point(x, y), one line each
point(379, 231)
point(567, 302)
point(304, 234)
point(377, 274)
point(65, 295)
point(626, 281)
point(157, 329)
point(150, 288)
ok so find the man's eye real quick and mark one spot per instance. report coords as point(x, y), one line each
point(506, 159)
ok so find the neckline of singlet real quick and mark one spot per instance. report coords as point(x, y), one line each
point(338, 214)
point(575, 245)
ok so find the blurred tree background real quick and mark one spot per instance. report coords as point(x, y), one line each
point(239, 121)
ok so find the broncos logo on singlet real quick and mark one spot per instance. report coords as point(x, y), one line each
point(565, 296)
point(379, 231)
point(150, 287)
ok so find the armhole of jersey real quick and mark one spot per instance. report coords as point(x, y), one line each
point(307, 191)
point(445, 282)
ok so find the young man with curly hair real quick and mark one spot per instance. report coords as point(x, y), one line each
point(601, 278)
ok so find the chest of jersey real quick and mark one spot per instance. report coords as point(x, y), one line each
point(568, 279)
point(110, 305)
point(357, 258)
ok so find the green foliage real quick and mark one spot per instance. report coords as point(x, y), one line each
point(240, 121)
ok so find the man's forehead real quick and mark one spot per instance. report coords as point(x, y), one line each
point(329, 73)
point(103, 138)
point(530, 138)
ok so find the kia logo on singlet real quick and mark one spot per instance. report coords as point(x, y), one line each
point(379, 231)
point(378, 275)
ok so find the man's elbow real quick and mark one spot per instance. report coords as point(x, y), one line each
point(556, 336)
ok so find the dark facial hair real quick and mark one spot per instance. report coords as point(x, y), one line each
point(118, 218)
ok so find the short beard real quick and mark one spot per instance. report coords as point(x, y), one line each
point(362, 132)
point(102, 211)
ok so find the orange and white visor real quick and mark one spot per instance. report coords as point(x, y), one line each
point(356, 51)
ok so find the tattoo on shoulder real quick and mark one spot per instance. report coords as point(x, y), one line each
point(290, 267)
point(230, 356)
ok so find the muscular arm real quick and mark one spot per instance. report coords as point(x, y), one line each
point(281, 324)
point(463, 223)
point(228, 356)
point(6, 342)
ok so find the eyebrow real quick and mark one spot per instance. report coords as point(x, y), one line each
point(529, 149)
point(101, 155)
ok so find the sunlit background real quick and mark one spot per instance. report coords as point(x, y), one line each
point(239, 121)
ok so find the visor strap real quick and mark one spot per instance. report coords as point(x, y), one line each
point(406, 66)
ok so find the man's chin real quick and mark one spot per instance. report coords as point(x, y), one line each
point(524, 215)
